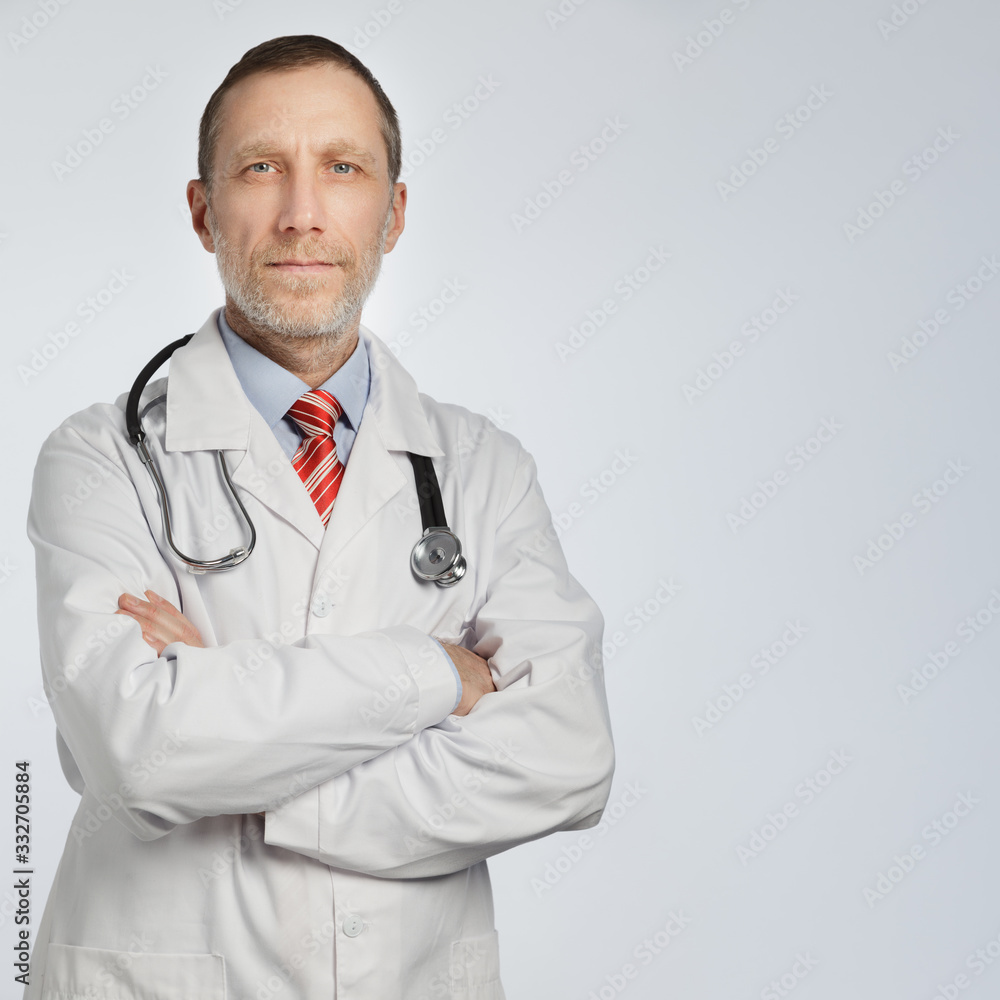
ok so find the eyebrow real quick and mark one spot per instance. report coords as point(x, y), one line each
point(339, 147)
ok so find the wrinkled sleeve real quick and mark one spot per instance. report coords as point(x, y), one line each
point(167, 740)
point(532, 758)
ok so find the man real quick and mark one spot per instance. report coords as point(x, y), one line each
point(293, 771)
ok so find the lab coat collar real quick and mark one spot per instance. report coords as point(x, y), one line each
point(207, 408)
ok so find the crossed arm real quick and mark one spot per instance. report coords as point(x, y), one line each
point(163, 624)
point(416, 790)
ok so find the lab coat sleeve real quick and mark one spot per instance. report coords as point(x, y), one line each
point(533, 758)
point(167, 740)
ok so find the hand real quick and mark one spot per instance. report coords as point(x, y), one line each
point(474, 673)
point(161, 622)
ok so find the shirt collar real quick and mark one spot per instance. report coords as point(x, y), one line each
point(272, 389)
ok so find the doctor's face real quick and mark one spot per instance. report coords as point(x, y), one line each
point(301, 208)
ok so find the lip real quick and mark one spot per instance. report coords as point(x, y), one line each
point(296, 265)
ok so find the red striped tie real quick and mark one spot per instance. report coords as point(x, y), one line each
point(316, 462)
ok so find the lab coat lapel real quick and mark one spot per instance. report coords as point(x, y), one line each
point(393, 421)
point(208, 410)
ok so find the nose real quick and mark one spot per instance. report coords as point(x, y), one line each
point(302, 209)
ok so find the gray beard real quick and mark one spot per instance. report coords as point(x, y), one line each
point(334, 322)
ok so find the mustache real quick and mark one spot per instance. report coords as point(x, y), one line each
point(309, 250)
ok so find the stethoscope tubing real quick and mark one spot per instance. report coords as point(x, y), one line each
point(436, 557)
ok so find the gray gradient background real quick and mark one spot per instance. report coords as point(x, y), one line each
point(691, 461)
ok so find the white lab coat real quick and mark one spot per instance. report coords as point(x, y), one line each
point(318, 701)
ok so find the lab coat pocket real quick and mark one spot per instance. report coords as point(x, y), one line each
point(74, 973)
point(475, 968)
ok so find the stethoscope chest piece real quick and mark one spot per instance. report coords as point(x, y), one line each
point(437, 557)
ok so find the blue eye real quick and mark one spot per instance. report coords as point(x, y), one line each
point(267, 166)
point(337, 167)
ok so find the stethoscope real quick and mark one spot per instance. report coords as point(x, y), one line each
point(436, 556)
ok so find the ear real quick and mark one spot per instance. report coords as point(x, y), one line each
point(198, 204)
point(398, 213)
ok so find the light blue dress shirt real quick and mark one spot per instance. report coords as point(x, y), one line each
point(272, 390)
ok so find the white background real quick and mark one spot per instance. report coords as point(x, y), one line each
point(571, 915)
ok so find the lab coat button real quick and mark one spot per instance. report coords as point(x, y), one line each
point(353, 925)
point(320, 606)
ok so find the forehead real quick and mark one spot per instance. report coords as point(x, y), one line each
point(307, 107)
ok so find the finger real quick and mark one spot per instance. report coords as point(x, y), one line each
point(146, 617)
point(156, 638)
point(161, 623)
point(163, 618)
point(157, 644)
point(172, 623)
point(137, 616)
point(163, 603)
point(135, 605)
point(133, 618)
point(148, 630)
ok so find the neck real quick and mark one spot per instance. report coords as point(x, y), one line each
point(312, 359)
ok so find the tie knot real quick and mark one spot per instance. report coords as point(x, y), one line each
point(316, 412)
